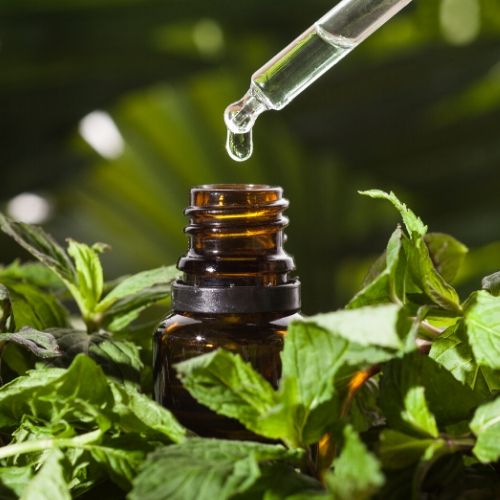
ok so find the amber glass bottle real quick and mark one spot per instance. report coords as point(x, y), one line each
point(236, 293)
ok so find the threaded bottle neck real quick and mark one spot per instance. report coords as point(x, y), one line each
point(236, 249)
point(236, 236)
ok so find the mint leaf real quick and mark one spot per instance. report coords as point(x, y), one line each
point(132, 285)
point(47, 392)
point(121, 457)
point(492, 283)
point(413, 224)
point(486, 426)
point(55, 394)
point(125, 310)
point(428, 279)
point(41, 245)
point(83, 281)
point(417, 370)
point(389, 284)
point(207, 468)
point(32, 307)
point(41, 344)
point(420, 264)
point(356, 472)
point(34, 273)
point(447, 254)
point(13, 480)
point(138, 413)
point(417, 414)
point(49, 483)
point(380, 325)
point(118, 358)
point(231, 387)
point(89, 277)
point(453, 351)
point(308, 380)
point(482, 319)
point(280, 480)
point(398, 450)
point(132, 295)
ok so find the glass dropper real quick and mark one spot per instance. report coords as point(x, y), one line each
point(301, 63)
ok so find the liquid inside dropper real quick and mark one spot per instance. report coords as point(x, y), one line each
point(239, 146)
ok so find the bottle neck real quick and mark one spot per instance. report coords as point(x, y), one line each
point(236, 261)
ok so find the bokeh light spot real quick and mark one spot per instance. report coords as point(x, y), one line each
point(101, 132)
point(30, 208)
point(460, 20)
point(208, 37)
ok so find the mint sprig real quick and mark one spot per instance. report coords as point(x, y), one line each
point(397, 394)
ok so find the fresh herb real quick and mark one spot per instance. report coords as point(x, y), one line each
point(397, 395)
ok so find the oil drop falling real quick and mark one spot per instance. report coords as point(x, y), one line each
point(239, 146)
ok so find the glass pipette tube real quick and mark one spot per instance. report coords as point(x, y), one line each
point(301, 63)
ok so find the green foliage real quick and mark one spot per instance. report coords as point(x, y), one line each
point(420, 265)
point(486, 426)
point(81, 272)
point(234, 469)
point(356, 472)
point(482, 320)
point(380, 398)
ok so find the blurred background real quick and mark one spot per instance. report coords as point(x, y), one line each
point(110, 110)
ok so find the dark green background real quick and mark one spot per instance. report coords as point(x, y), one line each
point(415, 109)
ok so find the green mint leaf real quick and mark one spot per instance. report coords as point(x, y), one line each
point(492, 283)
point(49, 483)
point(280, 480)
point(133, 294)
point(138, 413)
point(121, 457)
point(34, 273)
point(388, 285)
point(41, 344)
point(119, 359)
point(41, 245)
point(132, 285)
point(380, 325)
point(398, 450)
point(307, 382)
point(54, 393)
point(453, 351)
point(207, 468)
point(486, 426)
point(231, 387)
point(420, 264)
point(424, 274)
point(417, 370)
point(356, 472)
point(32, 307)
point(413, 224)
point(417, 414)
point(125, 310)
point(482, 320)
point(89, 275)
point(447, 254)
point(13, 481)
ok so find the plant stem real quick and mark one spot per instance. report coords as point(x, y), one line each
point(44, 444)
point(460, 444)
point(431, 330)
